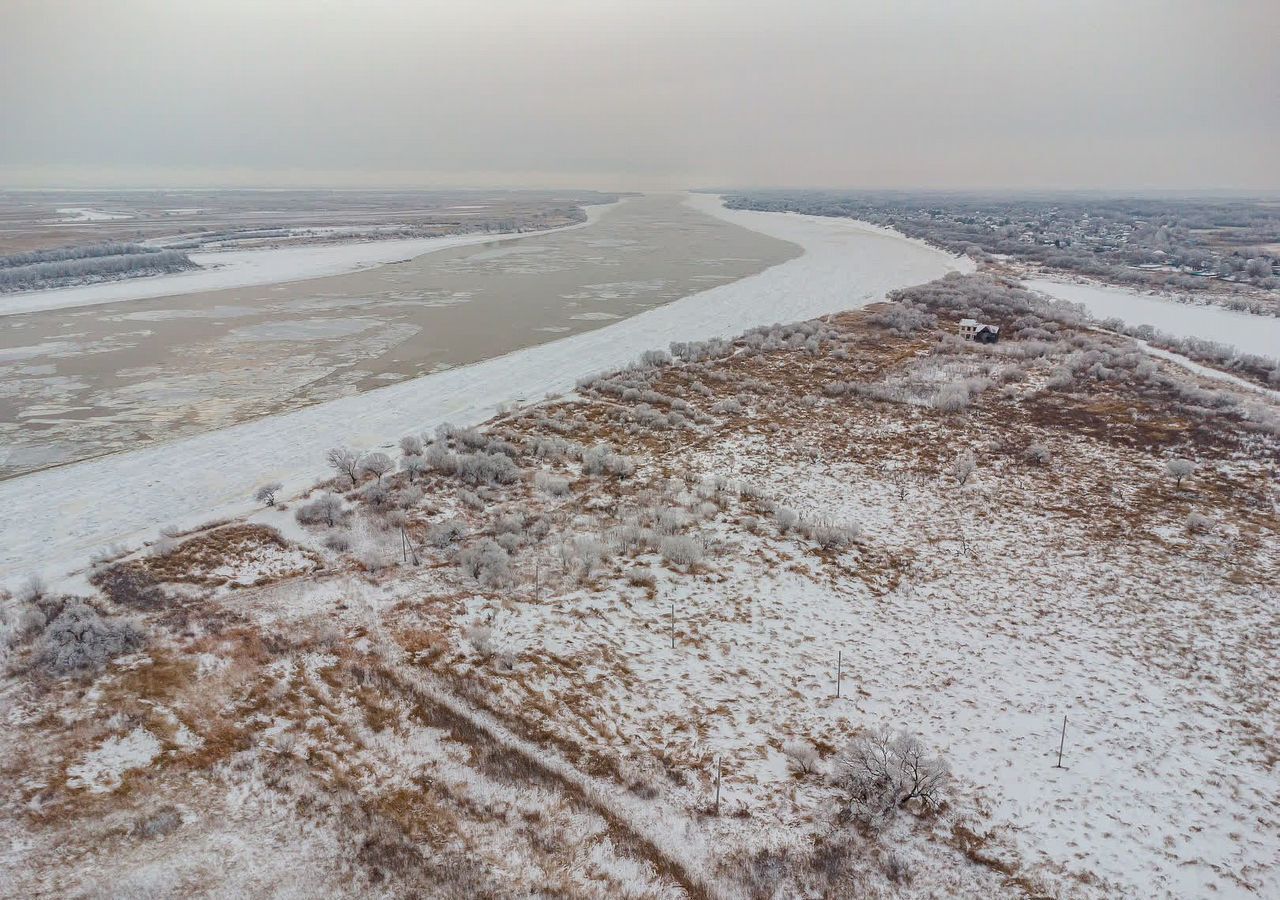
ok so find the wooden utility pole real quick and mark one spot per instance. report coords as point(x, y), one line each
point(718, 759)
point(839, 671)
point(1061, 743)
point(673, 626)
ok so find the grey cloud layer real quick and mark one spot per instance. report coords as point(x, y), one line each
point(636, 94)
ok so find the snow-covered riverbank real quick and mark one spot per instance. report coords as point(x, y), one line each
point(58, 517)
point(247, 268)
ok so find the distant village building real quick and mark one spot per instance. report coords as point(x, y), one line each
point(979, 332)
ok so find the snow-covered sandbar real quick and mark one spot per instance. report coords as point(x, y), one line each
point(56, 518)
point(225, 269)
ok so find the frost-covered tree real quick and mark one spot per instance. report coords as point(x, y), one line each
point(1178, 469)
point(883, 772)
point(963, 467)
point(486, 562)
point(377, 464)
point(413, 466)
point(267, 493)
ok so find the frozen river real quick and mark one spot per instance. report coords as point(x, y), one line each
point(82, 382)
point(1247, 333)
point(57, 517)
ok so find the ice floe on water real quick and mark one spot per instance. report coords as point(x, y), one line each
point(302, 330)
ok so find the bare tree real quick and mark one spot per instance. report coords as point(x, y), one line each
point(344, 462)
point(267, 493)
point(883, 772)
point(413, 466)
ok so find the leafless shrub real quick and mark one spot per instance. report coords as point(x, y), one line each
point(338, 541)
point(411, 445)
point(896, 868)
point(487, 468)
point(951, 398)
point(32, 589)
point(324, 510)
point(1060, 379)
point(680, 550)
point(373, 559)
point(671, 519)
point(641, 576)
point(408, 497)
point(830, 536)
point(80, 639)
point(749, 491)
point(450, 531)
point(553, 485)
point(440, 458)
point(655, 358)
point(376, 495)
point(473, 501)
point(802, 755)
point(487, 563)
point(471, 438)
point(904, 318)
point(786, 519)
point(1037, 455)
point(630, 537)
point(159, 823)
point(1198, 523)
point(587, 553)
point(480, 636)
point(601, 459)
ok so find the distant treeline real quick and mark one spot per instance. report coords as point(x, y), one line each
point(1174, 242)
point(95, 262)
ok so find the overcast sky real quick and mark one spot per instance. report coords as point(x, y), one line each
point(640, 95)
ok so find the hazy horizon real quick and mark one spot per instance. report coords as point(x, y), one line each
point(996, 96)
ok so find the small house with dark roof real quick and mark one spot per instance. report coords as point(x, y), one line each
point(979, 332)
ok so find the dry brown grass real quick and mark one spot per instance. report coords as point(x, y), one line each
point(195, 560)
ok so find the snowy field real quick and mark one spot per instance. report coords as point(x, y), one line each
point(58, 518)
point(246, 268)
point(1247, 333)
